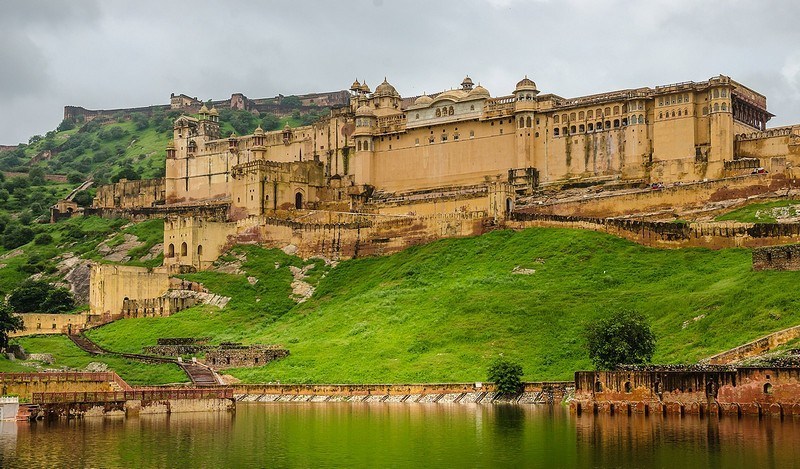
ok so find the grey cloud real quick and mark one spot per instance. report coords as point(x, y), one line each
point(115, 54)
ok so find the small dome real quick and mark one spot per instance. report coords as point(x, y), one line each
point(203, 109)
point(233, 135)
point(286, 127)
point(258, 131)
point(454, 95)
point(385, 89)
point(467, 83)
point(479, 91)
point(356, 85)
point(171, 145)
point(365, 111)
point(526, 84)
point(423, 100)
point(213, 112)
point(365, 87)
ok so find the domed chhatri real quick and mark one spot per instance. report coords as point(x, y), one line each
point(365, 88)
point(526, 84)
point(479, 91)
point(386, 89)
point(356, 86)
point(467, 84)
point(258, 131)
point(213, 112)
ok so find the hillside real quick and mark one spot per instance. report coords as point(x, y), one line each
point(442, 311)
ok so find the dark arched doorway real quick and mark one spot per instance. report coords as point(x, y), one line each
point(298, 200)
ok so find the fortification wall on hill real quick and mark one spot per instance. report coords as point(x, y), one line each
point(130, 194)
point(670, 235)
point(678, 197)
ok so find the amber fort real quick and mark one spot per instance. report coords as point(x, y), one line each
point(383, 172)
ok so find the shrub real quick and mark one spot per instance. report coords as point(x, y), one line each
point(623, 338)
point(9, 322)
point(16, 235)
point(506, 375)
point(36, 296)
point(42, 239)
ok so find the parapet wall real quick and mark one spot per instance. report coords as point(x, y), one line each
point(44, 323)
point(25, 384)
point(110, 285)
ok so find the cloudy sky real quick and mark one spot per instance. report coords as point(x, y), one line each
point(104, 54)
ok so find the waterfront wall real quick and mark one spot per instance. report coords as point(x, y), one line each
point(744, 391)
point(26, 384)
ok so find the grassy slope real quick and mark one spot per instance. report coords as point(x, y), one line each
point(443, 311)
point(67, 354)
point(759, 213)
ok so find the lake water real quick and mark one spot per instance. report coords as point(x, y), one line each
point(401, 435)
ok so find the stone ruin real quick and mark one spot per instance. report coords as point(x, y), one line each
point(225, 355)
point(785, 257)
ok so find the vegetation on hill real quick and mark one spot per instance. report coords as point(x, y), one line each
point(764, 212)
point(446, 310)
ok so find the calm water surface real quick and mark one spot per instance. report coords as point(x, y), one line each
point(401, 435)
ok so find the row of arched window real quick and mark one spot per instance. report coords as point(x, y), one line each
point(523, 122)
point(674, 99)
point(445, 111)
point(597, 127)
point(184, 250)
point(590, 114)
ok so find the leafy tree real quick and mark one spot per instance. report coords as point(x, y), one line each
point(140, 120)
point(36, 176)
point(74, 177)
point(66, 124)
point(125, 173)
point(83, 198)
point(506, 375)
point(16, 235)
point(270, 122)
point(9, 322)
point(4, 195)
point(290, 102)
point(624, 337)
point(36, 296)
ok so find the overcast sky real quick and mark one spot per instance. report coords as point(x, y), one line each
point(107, 54)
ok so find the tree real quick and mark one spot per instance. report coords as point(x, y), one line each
point(16, 235)
point(125, 173)
point(36, 296)
point(624, 337)
point(270, 122)
point(506, 376)
point(36, 176)
point(9, 322)
point(83, 198)
point(290, 102)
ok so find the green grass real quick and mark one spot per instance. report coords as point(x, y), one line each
point(66, 354)
point(443, 311)
point(764, 212)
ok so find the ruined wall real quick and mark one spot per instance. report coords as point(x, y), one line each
point(753, 391)
point(130, 194)
point(39, 323)
point(756, 347)
point(777, 258)
point(195, 240)
point(243, 357)
point(110, 285)
point(155, 307)
point(25, 384)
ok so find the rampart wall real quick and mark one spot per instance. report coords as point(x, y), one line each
point(678, 197)
point(43, 323)
point(670, 235)
point(110, 285)
point(25, 384)
point(777, 258)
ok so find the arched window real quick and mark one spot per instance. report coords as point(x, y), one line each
point(705, 110)
point(641, 118)
point(628, 387)
point(564, 131)
point(580, 115)
point(184, 249)
point(298, 200)
point(660, 115)
point(572, 129)
point(716, 107)
point(607, 111)
point(509, 205)
point(768, 388)
point(472, 107)
point(598, 387)
point(724, 106)
point(417, 116)
point(528, 121)
point(571, 116)
point(359, 145)
point(591, 127)
point(451, 111)
point(471, 133)
point(438, 112)
point(555, 119)
point(171, 250)
point(616, 110)
point(716, 94)
point(581, 128)
point(555, 132)
point(624, 121)
point(598, 126)
point(724, 93)
point(616, 123)
point(607, 125)
point(679, 112)
point(521, 122)
point(590, 114)
point(199, 249)
point(673, 113)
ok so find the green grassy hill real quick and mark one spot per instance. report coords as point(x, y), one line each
point(443, 311)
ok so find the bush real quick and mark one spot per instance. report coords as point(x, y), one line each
point(16, 235)
point(74, 177)
point(623, 338)
point(125, 173)
point(506, 375)
point(43, 239)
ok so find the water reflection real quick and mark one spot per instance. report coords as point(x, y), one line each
point(401, 435)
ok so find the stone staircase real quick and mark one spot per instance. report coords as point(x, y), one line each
point(200, 375)
point(86, 345)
